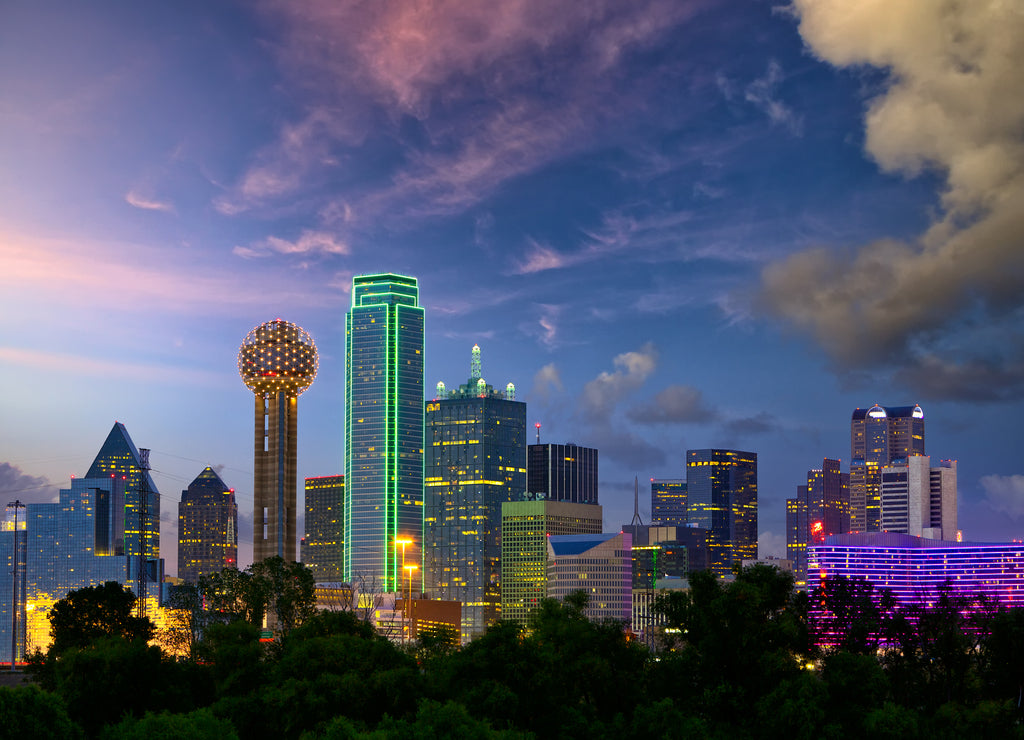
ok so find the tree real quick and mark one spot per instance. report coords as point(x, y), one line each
point(281, 590)
point(185, 621)
point(89, 614)
point(29, 712)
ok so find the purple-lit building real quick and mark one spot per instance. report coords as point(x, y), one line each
point(913, 568)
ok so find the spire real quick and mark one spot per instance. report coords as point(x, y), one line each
point(637, 521)
point(474, 366)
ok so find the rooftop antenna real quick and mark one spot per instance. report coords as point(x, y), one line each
point(538, 431)
point(474, 366)
point(637, 521)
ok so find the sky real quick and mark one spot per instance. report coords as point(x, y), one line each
point(673, 225)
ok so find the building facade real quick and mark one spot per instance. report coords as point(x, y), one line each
point(207, 527)
point(525, 527)
point(474, 461)
point(277, 362)
point(721, 497)
point(600, 565)
point(323, 546)
point(821, 508)
point(79, 541)
point(668, 502)
point(879, 436)
point(383, 431)
point(562, 472)
point(920, 500)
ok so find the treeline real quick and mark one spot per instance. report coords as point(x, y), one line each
point(736, 660)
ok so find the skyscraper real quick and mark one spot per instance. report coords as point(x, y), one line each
point(323, 548)
point(879, 436)
point(600, 565)
point(562, 472)
point(525, 526)
point(383, 431)
point(721, 497)
point(668, 503)
point(277, 362)
point(821, 508)
point(920, 500)
point(207, 527)
point(474, 461)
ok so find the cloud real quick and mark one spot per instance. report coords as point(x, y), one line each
point(676, 404)
point(133, 198)
point(547, 381)
point(14, 484)
point(952, 106)
point(92, 367)
point(546, 327)
point(540, 257)
point(603, 393)
point(762, 423)
point(770, 544)
point(763, 93)
point(1005, 494)
point(309, 242)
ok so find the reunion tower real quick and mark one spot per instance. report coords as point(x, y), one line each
point(277, 362)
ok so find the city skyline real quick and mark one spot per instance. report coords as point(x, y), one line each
point(672, 226)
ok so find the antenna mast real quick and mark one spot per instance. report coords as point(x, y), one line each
point(637, 522)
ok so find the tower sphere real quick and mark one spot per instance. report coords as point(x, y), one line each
point(278, 356)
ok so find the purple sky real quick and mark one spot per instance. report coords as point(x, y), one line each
point(671, 224)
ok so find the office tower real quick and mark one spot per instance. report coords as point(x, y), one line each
point(81, 541)
point(383, 431)
point(721, 497)
point(562, 473)
point(207, 527)
point(13, 554)
point(525, 527)
point(668, 503)
point(878, 437)
point(599, 565)
point(821, 508)
point(324, 544)
point(474, 461)
point(120, 458)
point(277, 361)
point(920, 500)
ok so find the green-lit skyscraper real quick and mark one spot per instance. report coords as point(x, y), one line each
point(474, 461)
point(383, 433)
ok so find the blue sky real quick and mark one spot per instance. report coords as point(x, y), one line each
point(671, 224)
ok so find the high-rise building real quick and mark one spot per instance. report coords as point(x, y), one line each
point(383, 432)
point(879, 436)
point(81, 541)
point(600, 565)
point(474, 461)
point(323, 547)
point(721, 497)
point(562, 472)
point(821, 508)
point(277, 361)
point(207, 527)
point(668, 502)
point(120, 458)
point(920, 500)
point(525, 527)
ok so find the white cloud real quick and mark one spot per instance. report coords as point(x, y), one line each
point(133, 198)
point(601, 394)
point(1005, 494)
point(309, 242)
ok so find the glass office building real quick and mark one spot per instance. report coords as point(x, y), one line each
point(721, 497)
point(383, 432)
point(562, 472)
point(474, 461)
point(879, 436)
point(207, 527)
point(668, 503)
point(323, 547)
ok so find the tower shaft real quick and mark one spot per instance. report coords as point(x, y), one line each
point(274, 458)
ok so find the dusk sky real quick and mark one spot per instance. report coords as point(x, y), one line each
point(672, 224)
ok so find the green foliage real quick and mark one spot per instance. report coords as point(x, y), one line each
point(198, 725)
point(282, 590)
point(29, 712)
point(89, 614)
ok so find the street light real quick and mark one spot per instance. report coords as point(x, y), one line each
point(411, 569)
point(403, 541)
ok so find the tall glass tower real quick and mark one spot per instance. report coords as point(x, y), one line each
point(879, 436)
point(721, 497)
point(384, 434)
point(277, 362)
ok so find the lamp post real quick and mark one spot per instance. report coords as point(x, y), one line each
point(410, 569)
point(16, 504)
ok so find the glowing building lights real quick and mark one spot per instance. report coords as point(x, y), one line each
point(277, 362)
